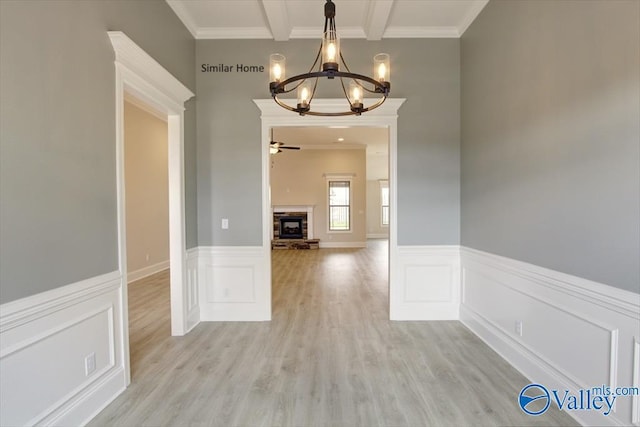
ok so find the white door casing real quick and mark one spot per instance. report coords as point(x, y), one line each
point(141, 77)
point(384, 116)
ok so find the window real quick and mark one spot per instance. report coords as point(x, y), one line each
point(339, 205)
point(384, 203)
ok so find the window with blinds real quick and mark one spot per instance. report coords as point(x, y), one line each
point(384, 203)
point(339, 205)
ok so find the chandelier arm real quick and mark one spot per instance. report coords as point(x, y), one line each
point(292, 89)
point(367, 89)
point(316, 60)
point(379, 87)
point(283, 105)
point(346, 67)
point(363, 87)
point(313, 92)
point(344, 91)
point(328, 114)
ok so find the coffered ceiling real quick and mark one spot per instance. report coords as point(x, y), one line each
point(299, 19)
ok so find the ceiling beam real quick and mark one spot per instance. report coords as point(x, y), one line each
point(375, 24)
point(278, 19)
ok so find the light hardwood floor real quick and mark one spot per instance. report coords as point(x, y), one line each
point(329, 357)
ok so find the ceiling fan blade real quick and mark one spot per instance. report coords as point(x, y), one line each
point(289, 148)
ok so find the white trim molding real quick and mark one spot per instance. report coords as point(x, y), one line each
point(147, 271)
point(561, 331)
point(428, 285)
point(377, 236)
point(53, 332)
point(151, 73)
point(192, 298)
point(140, 76)
point(233, 284)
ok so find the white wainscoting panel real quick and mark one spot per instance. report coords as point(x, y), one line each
point(428, 283)
point(234, 283)
point(576, 334)
point(44, 342)
point(193, 293)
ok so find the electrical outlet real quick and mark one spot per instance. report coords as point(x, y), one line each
point(89, 364)
point(225, 224)
point(519, 328)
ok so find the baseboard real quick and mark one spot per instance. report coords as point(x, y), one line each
point(378, 236)
point(44, 340)
point(89, 403)
point(576, 334)
point(147, 271)
point(234, 283)
point(342, 245)
point(426, 283)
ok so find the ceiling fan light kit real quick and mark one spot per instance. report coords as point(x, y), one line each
point(276, 147)
point(328, 64)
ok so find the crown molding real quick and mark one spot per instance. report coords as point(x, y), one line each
point(421, 32)
point(279, 27)
point(316, 33)
point(333, 146)
point(134, 59)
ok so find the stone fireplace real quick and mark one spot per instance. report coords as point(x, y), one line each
point(292, 225)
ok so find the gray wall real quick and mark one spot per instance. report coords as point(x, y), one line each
point(551, 136)
point(57, 133)
point(426, 72)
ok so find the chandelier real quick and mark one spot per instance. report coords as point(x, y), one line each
point(330, 63)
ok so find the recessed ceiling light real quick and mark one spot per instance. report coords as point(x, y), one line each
point(340, 139)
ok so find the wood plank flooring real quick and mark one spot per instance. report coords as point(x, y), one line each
point(329, 357)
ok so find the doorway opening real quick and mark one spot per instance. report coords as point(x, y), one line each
point(147, 223)
point(385, 116)
point(329, 191)
point(140, 76)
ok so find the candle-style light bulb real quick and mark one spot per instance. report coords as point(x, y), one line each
point(277, 72)
point(382, 68)
point(277, 67)
point(331, 52)
point(356, 94)
point(356, 97)
point(304, 96)
point(382, 71)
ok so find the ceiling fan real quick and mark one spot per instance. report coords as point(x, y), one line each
point(276, 147)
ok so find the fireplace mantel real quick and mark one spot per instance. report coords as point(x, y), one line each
point(297, 208)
